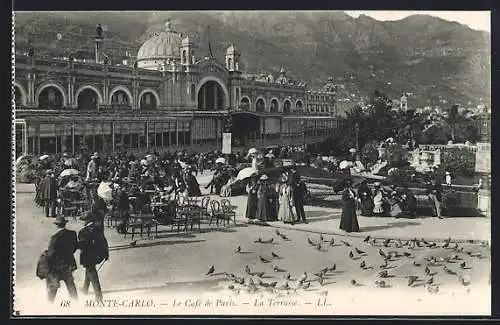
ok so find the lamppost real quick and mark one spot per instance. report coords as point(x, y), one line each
point(303, 129)
point(356, 128)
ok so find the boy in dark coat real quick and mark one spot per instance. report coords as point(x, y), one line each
point(61, 261)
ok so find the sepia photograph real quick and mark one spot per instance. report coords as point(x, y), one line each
point(259, 163)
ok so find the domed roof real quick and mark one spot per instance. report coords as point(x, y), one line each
point(163, 45)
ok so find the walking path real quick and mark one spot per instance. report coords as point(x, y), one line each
point(326, 221)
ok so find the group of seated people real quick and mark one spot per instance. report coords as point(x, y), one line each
point(385, 202)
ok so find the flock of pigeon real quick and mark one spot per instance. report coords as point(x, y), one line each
point(389, 250)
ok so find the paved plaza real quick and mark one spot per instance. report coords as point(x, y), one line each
point(177, 263)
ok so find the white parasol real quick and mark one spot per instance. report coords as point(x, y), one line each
point(246, 172)
point(345, 164)
point(220, 160)
point(389, 140)
point(69, 172)
point(43, 157)
point(252, 151)
point(105, 191)
point(70, 162)
point(392, 171)
point(269, 155)
point(150, 157)
point(182, 164)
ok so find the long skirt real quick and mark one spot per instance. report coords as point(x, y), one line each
point(251, 206)
point(349, 221)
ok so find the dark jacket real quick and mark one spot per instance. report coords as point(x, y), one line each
point(63, 245)
point(299, 192)
point(93, 245)
point(435, 189)
point(48, 189)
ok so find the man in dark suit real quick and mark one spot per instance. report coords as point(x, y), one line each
point(435, 196)
point(299, 194)
point(93, 250)
point(61, 261)
point(48, 187)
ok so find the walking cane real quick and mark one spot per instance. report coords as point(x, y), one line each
point(101, 265)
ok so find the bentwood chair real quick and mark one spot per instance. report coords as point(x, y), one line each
point(228, 209)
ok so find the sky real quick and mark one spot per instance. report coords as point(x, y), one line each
point(478, 20)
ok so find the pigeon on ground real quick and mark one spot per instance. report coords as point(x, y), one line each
point(433, 288)
point(351, 255)
point(464, 280)
point(318, 247)
point(407, 254)
point(268, 241)
point(416, 264)
point(303, 278)
point(321, 237)
point(427, 270)
point(263, 260)
point(278, 232)
point(463, 265)
point(247, 269)
point(332, 241)
point(430, 281)
point(284, 237)
point(259, 240)
point(383, 274)
point(345, 243)
point(306, 286)
point(366, 239)
point(273, 254)
point(211, 270)
point(259, 274)
point(133, 243)
point(381, 252)
point(362, 264)
point(333, 267)
point(359, 251)
point(310, 242)
point(447, 270)
point(412, 279)
point(380, 284)
point(287, 276)
point(238, 250)
point(277, 269)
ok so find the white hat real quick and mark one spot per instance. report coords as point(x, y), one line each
point(447, 173)
point(376, 184)
point(264, 177)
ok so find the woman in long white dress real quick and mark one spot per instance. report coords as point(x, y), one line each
point(286, 204)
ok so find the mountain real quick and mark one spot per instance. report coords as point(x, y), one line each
point(430, 57)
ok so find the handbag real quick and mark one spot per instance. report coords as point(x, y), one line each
point(42, 267)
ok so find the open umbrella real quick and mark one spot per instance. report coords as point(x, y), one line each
point(252, 151)
point(183, 164)
point(69, 172)
point(71, 162)
point(105, 191)
point(246, 172)
point(43, 157)
point(220, 160)
point(345, 164)
point(269, 155)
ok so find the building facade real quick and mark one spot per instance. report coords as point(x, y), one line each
point(168, 100)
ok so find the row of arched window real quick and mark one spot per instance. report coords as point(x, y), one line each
point(274, 107)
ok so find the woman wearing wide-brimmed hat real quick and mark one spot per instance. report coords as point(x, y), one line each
point(286, 202)
point(252, 188)
point(263, 206)
point(349, 220)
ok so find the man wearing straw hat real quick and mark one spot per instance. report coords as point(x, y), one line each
point(61, 261)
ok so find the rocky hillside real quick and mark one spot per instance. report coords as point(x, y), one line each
point(432, 58)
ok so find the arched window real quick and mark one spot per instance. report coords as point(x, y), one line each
point(286, 107)
point(193, 92)
point(148, 101)
point(229, 63)
point(274, 106)
point(245, 103)
point(260, 105)
point(50, 98)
